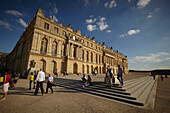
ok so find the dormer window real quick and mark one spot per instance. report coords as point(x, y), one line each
point(56, 30)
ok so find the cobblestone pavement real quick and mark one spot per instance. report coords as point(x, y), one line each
point(20, 99)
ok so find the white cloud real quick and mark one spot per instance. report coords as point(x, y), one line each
point(91, 27)
point(130, 32)
point(5, 24)
point(89, 21)
point(13, 12)
point(167, 59)
point(91, 16)
point(55, 9)
point(142, 3)
point(106, 4)
point(150, 15)
point(111, 4)
point(108, 31)
point(86, 3)
point(129, 1)
point(102, 24)
point(22, 22)
point(153, 57)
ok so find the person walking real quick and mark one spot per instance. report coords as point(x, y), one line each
point(50, 84)
point(56, 73)
point(162, 78)
point(31, 79)
point(108, 77)
point(5, 84)
point(35, 76)
point(120, 74)
point(39, 81)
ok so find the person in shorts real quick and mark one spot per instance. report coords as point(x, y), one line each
point(5, 84)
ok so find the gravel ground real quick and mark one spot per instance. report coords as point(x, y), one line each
point(21, 100)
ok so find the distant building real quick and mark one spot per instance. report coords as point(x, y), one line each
point(54, 46)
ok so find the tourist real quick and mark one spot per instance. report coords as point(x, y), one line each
point(154, 76)
point(16, 77)
point(162, 78)
point(88, 82)
point(5, 84)
point(1, 79)
point(166, 76)
point(31, 79)
point(39, 81)
point(64, 73)
point(35, 76)
point(84, 78)
point(56, 73)
point(49, 84)
point(120, 74)
point(108, 77)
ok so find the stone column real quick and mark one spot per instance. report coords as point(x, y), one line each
point(68, 50)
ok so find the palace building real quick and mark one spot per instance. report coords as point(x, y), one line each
point(54, 46)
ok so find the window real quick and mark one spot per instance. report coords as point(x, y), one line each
point(82, 41)
point(64, 33)
point(87, 56)
point(55, 30)
point(46, 26)
point(96, 47)
point(87, 43)
point(74, 37)
point(91, 45)
point(54, 48)
point(99, 48)
point(44, 45)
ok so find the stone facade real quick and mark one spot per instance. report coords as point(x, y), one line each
point(54, 46)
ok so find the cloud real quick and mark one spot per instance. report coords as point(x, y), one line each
point(129, 1)
point(86, 3)
point(167, 59)
point(55, 10)
point(91, 27)
point(13, 12)
point(89, 21)
point(111, 4)
point(153, 57)
point(102, 24)
point(142, 3)
point(99, 23)
point(130, 32)
point(109, 31)
point(22, 22)
point(91, 16)
point(54, 18)
point(150, 15)
point(5, 24)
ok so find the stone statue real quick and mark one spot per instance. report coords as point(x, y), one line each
point(32, 64)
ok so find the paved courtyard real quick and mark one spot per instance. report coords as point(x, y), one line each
point(65, 100)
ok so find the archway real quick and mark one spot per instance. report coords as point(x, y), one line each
point(75, 68)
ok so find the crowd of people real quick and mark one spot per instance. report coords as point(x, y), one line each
point(37, 78)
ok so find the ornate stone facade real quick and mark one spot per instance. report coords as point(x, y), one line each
point(54, 46)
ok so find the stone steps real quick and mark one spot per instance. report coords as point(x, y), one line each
point(133, 92)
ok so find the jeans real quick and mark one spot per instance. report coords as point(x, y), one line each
point(39, 84)
point(30, 84)
point(121, 81)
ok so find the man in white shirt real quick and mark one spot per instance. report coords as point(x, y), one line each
point(39, 81)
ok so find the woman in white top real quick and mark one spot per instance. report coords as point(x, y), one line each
point(50, 84)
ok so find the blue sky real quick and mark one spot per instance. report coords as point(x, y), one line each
point(138, 28)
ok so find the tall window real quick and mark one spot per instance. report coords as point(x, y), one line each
point(91, 57)
point(91, 45)
point(46, 26)
point(96, 58)
point(55, 30)
point(54, 48)
point(82, 54)
point(87, 43)
point(44, 45)
point(87, 56)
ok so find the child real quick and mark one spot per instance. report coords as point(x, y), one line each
point(50, 84)
point(31, 79)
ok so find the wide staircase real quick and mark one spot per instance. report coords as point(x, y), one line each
point(134, 92)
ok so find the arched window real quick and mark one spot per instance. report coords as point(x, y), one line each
point(54, 48)
point(87, 56)
point(82, 54)
point(44, 45)
point(91, 57)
